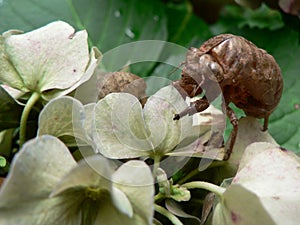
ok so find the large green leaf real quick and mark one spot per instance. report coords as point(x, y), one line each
point(234, 16)
point(29, 15)
point(186, 30)
point(184, 26)
point(109, 23)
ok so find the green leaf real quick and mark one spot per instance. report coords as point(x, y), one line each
point(109, 23)
point(103, 19)
point(63, 117)
point(186, 30)
point(28, 15)
point(184, 26)
point(113, 23)
point(285, 125)
point(10, 111)
point(235, 16)
point(131, 20)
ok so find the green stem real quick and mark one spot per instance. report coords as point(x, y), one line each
point(156, 165)
point(158, 197)
point(23, 123)
point(207, 186)
point(167, 214)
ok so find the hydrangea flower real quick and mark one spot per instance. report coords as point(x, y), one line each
point(265, 190)
point(47, 186)
point(51, 61)
point(125, 129)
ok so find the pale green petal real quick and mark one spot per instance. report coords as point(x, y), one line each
point(92, 172)
point(159, 112)
point(51, 57)
point(199, 148)
point(40, 212)
point(135, 179)
point(121, 202)
point(125, 130)
point(63, 116)
point(110, 215)
point(265, 190)
point(120, 129)
point(89, 111)
point(241, 207)
point(163, 182)
point(95, 57)
point(249, 131)
point(273, 175)
point(39, 165)
point(8, 73)
point(218, 217)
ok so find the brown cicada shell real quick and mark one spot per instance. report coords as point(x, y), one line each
point(246, 75)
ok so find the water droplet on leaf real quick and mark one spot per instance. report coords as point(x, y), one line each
point(117, 14)
point(129, 33)
point(156, 18)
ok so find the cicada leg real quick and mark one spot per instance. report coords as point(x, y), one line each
point(196, 106)
point(234, 121)
point(266, 122)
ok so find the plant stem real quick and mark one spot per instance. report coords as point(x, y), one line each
point(23, 123)
point(158, 197)
point(156, 165)
point(207, 186)
point(167, 214)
